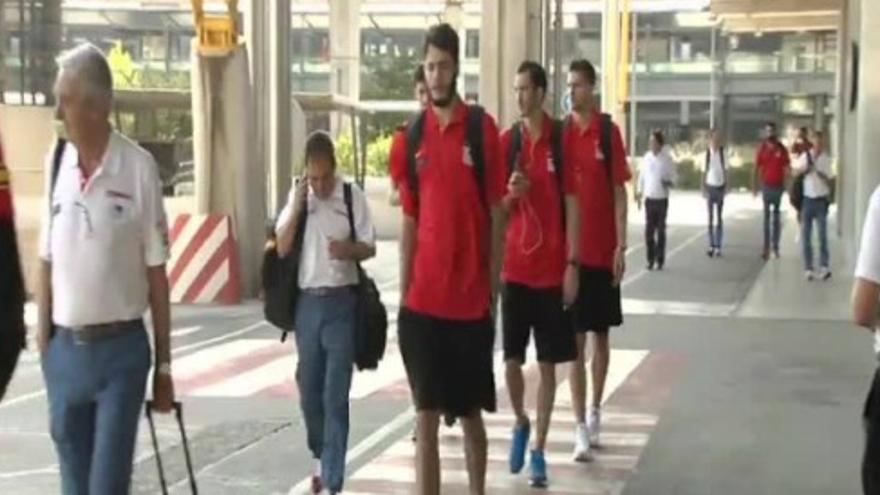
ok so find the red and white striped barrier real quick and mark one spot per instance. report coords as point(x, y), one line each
point(204, 260)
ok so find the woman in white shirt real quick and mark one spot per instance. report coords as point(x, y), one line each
point(815, 165)
point(656, 177)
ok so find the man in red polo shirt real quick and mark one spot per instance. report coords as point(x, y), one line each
point(449, 240)
point(12, 293)
point(535, 254)
point(600, 182)
point(771, 165)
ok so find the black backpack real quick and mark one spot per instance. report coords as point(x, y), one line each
point(473, 139)
point(280, 278)
point(371, 321)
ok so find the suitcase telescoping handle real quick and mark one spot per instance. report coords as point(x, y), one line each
point(178, 413)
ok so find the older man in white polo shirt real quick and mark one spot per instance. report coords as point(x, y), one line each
point(327, 305)
point(103, 249)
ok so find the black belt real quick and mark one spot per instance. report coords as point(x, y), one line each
point(87, 334)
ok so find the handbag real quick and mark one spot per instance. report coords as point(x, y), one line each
point(371, 320)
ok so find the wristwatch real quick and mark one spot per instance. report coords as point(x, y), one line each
point(573, 263)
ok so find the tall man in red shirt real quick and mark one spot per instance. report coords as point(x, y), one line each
point(600, 182)
point(539, 239)
point(449, 241)
point(771, 164)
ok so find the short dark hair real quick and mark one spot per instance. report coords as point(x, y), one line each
point(443, 37)
point(584, 67)
point(537, 74)
point(771, 125)
point(320, 143)
point(419, 75)
point(658, 136)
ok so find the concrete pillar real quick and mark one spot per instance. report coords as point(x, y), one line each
point(279, 121)
point(453, 14)
point(345, 48)
point(868, 119)
point(842, 119)
point(819, 112)
point(510, 32)
point(610, 59)
point(226, 173)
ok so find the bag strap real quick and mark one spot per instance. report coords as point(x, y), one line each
point(414, 131)
point(474, 139)
point(346, 193)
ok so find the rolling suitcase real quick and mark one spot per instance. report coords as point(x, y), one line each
point(178, 413)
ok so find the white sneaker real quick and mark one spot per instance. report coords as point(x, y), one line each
point(809, 276)
point(824, 273)
point(582, 444)
point(595, 425)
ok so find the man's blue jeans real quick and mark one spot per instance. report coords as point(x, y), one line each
point(96, 395)
point(815, 209)
point(325, 348)
point(772, 232)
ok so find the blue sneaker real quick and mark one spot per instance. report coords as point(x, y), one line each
point(518, 447)
point(538, 478)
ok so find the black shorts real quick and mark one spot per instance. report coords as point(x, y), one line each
point(525, 308)
point(598, 305)
point(448, 363)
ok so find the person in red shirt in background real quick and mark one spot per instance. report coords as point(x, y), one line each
point(12, 293)
point(424, 99)
point(601, 190)
point(450, 257)
point(771, 165)
point(540, 237)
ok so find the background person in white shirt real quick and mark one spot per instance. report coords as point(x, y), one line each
point(656, 177)
point(715, 186)
point(326, 308)
point(816, 164)
point(103, 248)
point(866, 306)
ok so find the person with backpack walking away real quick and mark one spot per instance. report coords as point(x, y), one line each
point(594, 152)
point(450, 258)
point(715, 185)
point(103, 248)
point(541, 235)
point(326, 308)
point(771, 166)
point(813, 167)
point(656, 177)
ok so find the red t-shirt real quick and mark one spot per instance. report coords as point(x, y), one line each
point(772, 160)
point(585, 172)
point(450, 272)
point(535, 250)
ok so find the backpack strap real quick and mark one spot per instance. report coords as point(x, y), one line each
point(57, 155)
point(474, 139)
point(346, 193)
point(515, 149)
point(414, 132)
point(606, 126)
